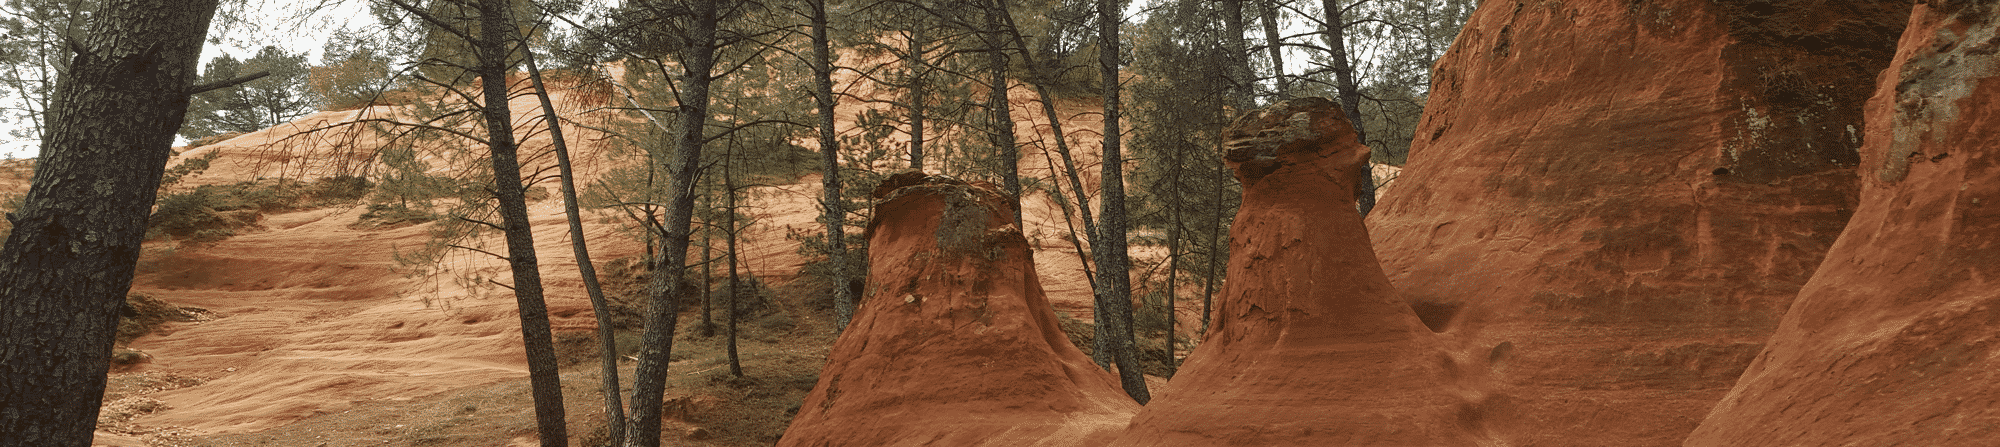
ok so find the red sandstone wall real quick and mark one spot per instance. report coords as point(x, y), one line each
point(1614, 201)
point(1893, 341)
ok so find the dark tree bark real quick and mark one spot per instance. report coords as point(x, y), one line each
point(707, 327)
point(1216, 247)
point(1242, 81)
point(835, 210)
point(1114, 297)
point(735, 281)
point(494, 66)
point(1275, 45)
point(919, 93)
point(69, 261)
point(1009, 162)
point(614, 410)
point(1173, 276)
point(1348, 92)
point(649, 385)
point(1048, 100)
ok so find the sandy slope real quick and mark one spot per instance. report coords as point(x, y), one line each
point(316, 317)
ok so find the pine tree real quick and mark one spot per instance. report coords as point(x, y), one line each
point(69, 261)
point(490, 35)
point(697, 22)
point(32, 56)
point(268, 101)
point(1114, 297)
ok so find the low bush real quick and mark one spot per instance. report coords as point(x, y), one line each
point(392, 215)
point(210, 213)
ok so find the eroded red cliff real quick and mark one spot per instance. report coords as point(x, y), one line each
point(1614, 201)
point(1893, 341)
point(954, 343)
point(1309, 345)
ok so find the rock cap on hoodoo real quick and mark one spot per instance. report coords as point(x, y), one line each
point(1261, 140)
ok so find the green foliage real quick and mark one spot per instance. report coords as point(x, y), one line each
point(192, 166)
point(391, 215)
point(1179, 105)
point(443, 56)
point(1391, 120)
point(32, 54)
point(352, 74)
point(254, 105)
point(818, 269)
point(211, 213)
point(1393, 44)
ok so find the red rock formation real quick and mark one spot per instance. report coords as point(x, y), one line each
point(1615, 200)
point(1893, 340)
point(1309, 344)
point(955, 344)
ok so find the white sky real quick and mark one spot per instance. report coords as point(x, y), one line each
point(272, 24)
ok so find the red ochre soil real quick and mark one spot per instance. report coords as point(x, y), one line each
point(954, 343)
point(1615, 201)
point(1609, 209)
point(1309, 345)
point(1893, 340)
point(314, 318)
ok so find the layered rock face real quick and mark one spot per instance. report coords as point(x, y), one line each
point(954, 343)
point(1309, 345)
point(1614, 201)
point(1893, 341)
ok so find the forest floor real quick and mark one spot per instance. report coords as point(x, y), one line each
point(311, 327)
point(311, 333)
point(705, 404)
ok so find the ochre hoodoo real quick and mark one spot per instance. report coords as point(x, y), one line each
point(1309, 346)
point(954, 343)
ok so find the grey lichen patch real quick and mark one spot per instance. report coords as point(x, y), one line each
point(1932, 84)
point(962, 227)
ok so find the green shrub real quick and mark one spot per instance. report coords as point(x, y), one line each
point(392, 215)
point(198, 215)
point(338, 190)
point(211, 213)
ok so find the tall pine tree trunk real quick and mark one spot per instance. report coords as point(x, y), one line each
point(1069, 171)
point(1275, 45)
point(1217, 246)
point(1349, 93)
point(607, 338)
point(1173, 278)
point(493, 69)
point(1003, 115)
point(1242, 81)
point(1114, 297)
point(919, 91)
point(69, 261)
point(735, 281)
point(649, 384)
point(835, 209)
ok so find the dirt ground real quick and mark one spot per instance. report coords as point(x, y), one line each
point(313, 333)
